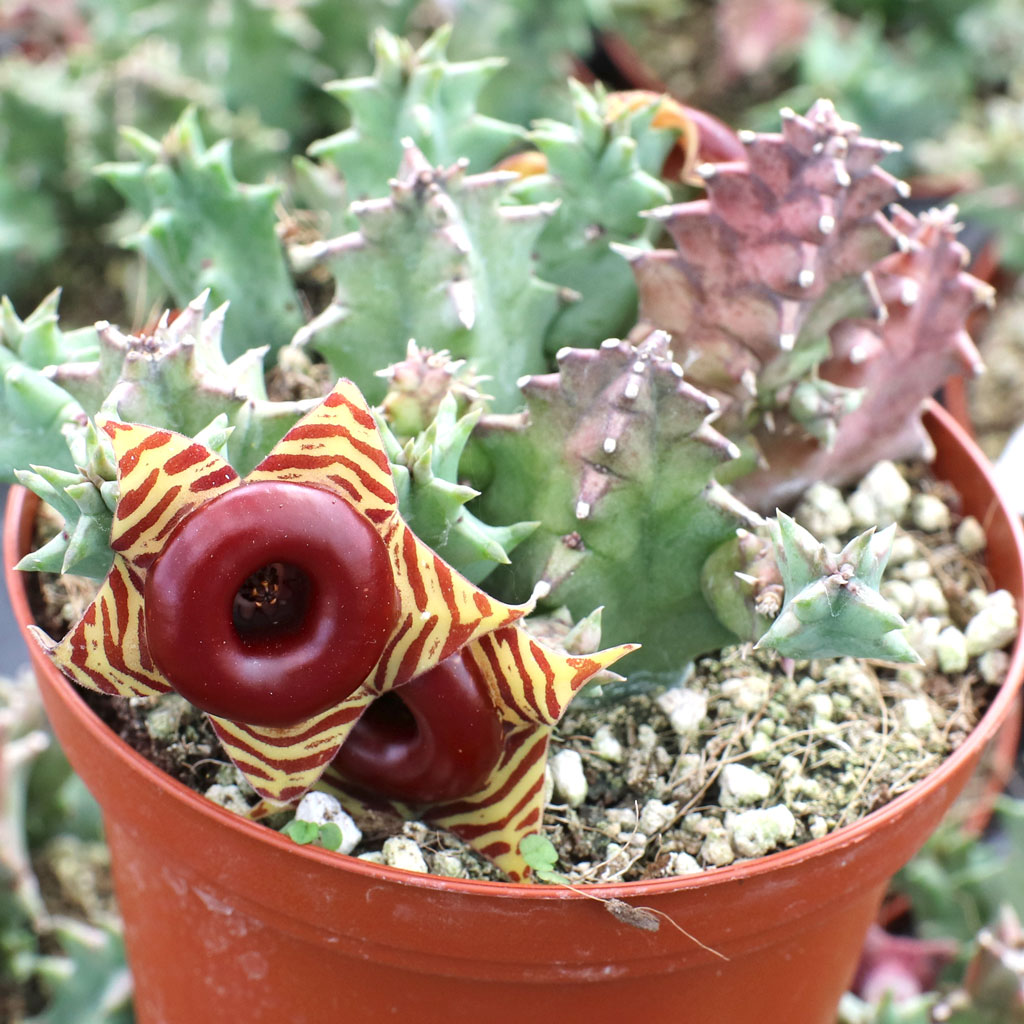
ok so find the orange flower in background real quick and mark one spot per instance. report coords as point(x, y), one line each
point(669, 113)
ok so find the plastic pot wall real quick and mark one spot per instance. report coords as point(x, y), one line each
point(226, 919)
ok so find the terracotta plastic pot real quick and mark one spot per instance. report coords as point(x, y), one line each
point(227, 920)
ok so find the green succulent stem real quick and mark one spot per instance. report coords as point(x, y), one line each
point(204, 230)
point(432, 500)
point(832, 606)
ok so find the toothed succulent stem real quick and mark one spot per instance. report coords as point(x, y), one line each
point(891, 364)
point(418, 384)
point(205, 230)
point(178, 377)
point(442, 261)
point(413, 94)
point(33, 410)
point(819, 322)
point(86, 499)
point(430, 497)
point(615, 459)
point(602, 170)
point(832, 606)
point(741, 582)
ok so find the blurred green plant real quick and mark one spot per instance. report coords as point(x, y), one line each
point(61, 950)
point(984, 153)
point(72, 73)
point(970, 891)
point(956, 885)
point(909, 88)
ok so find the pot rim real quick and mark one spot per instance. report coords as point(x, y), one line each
point(21, 500)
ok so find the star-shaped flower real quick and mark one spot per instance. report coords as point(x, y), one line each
point(286, 603)
point(530, 686)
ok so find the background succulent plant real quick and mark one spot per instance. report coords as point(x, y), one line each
point(791, 300)
point(205, 230)
point(441, 261)
point(797, 302)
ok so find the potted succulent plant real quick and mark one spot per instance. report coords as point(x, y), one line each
point(382, 569)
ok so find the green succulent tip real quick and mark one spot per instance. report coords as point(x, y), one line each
point(832, 607)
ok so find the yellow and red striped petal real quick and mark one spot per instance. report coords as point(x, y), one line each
point(440, 612)
point(532, 685)
point(281, 764)
point(162, 477)
point(530, 682)
point(336, 446)
point(495, 820)
point(106, 649)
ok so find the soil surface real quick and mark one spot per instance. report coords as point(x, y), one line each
point(747, 754)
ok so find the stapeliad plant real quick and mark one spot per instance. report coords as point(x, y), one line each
point(406, 506)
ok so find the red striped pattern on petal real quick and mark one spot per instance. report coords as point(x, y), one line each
point(163, 476)
point(531, 682)
point(441, 611)
point(495, 820)
point(337, 446)
point(281, 764)
point(531, 685)
point(106, 649)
